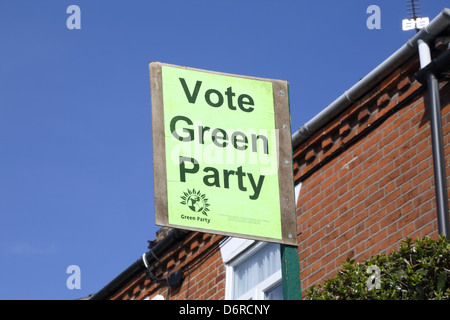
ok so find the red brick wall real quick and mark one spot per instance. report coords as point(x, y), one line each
point(375, 186)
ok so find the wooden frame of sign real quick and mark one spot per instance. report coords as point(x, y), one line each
point(285, 197)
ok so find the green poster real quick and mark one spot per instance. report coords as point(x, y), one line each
point(221, 153)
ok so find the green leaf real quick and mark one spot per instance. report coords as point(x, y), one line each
point(422, 271)
point(400, 274)
point(441, 281)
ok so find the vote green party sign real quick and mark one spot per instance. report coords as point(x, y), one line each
point(222, 153)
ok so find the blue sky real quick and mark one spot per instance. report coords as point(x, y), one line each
point(76, 176)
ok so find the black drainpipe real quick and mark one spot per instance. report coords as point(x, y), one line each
point(174, 236)
point(428, 75)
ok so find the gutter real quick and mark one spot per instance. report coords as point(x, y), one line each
point(433, 29)
point(431, 70)
point(140, 265)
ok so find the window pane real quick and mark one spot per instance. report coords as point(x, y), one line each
point(275, 293)
point(256, 268)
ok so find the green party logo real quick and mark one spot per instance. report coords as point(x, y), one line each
point(196, 201)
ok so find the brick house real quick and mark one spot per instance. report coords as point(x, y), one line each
point(364, 180)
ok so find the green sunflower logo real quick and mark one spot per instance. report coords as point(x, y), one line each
point(196, 201)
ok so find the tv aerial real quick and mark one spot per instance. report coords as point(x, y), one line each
point(415, 20)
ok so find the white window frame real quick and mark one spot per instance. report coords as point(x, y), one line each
point(235, 251)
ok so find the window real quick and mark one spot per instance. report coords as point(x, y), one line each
point(253, 270)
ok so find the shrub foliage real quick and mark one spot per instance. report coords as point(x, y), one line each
point(418, 270)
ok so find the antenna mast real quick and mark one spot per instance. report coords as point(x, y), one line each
point(413, 9)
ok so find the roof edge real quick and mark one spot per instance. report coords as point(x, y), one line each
point(433, 29)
